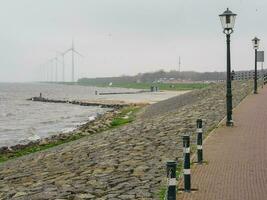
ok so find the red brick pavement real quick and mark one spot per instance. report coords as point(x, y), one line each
point(236, 157)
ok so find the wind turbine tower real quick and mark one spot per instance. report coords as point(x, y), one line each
point(72, 55)
point(72, 49)
point(44, 72)
point(56, 60)
point(47, 71)
point(51, 72)
point(62, 54)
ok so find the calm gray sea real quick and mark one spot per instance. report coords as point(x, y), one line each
point(22, 121)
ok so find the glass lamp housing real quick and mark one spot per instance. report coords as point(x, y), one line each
point(228, 19)
point(256, 43)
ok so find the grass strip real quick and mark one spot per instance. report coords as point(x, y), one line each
point(162, 86)
point(126, 116)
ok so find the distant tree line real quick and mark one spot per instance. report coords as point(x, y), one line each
point(156, 76)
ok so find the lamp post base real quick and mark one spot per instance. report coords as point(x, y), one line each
point(230, 123)
point(255, 92)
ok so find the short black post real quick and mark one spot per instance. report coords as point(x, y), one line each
point(171, 176)
point(199, 141)
point(187, 174)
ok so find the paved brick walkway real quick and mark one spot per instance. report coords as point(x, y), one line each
point(236, 157)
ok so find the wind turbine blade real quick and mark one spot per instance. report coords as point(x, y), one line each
point(58, 60)
point(66, 51)
point(78, 53)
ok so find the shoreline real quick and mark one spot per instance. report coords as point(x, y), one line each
point(99, 124)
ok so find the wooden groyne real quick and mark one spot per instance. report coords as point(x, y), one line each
point(102, 104)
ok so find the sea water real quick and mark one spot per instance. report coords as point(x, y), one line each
point(22, 121)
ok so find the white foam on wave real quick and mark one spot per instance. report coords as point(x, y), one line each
point(33, 136)
point(91, 118)
point(67, 130)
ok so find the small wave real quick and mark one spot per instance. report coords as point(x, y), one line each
point(79, 115)
point(10, 129)
point(66, 130)
point(33, 136)
point(48, 122)
point(24, 104)
point(7, 114)
point(65, 117)
point(91, 118)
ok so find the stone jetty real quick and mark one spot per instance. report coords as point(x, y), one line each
point(123, 163)
point(100, 103)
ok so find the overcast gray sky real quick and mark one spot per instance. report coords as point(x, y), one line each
point(120, 37)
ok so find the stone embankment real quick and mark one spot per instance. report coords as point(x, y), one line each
point(123, 163)
point(98, 124)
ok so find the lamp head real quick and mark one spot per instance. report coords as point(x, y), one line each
point(255, 43)
point(228, 21)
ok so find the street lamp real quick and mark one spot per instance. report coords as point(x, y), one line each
point(255, 42)
point(228, 22)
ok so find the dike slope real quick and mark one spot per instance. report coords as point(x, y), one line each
point(124, 163)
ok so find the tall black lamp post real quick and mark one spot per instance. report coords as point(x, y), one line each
point(255, 42)
point(228, 22)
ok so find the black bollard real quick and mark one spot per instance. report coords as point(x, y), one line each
point(199, 141)
point(171, 176)
point(187, 173)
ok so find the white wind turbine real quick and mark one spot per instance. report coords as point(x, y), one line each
point(51, 62)
point(49, 73)
point(62, 54)
point(72, 49)
point(54, 64)
point(54, 67)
